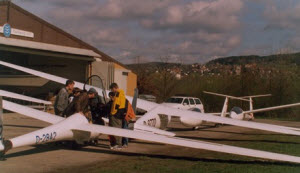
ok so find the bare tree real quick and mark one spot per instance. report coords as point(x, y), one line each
point(164, 80)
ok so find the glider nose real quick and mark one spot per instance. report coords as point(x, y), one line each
point(1, 146)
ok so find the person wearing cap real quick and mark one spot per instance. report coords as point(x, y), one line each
point(117, 112)
point(97, 105)
point(62, 99)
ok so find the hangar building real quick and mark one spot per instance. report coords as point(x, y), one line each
point(30, 41)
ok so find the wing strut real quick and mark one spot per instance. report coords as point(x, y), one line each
point(1, 130)
point(134, 100)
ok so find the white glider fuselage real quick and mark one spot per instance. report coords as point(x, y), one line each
point(186, 103)
point(154, 118)
point(63, 130)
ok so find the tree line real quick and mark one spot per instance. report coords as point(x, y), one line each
point(280, 78)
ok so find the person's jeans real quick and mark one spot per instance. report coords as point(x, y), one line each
point(124, 126)
point(117, 123)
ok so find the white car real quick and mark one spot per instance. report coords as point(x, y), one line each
point(185, 103)
point(150, 98)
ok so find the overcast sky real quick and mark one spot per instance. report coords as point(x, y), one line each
point(188, 31)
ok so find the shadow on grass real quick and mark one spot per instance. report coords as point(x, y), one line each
point(238, 140)
point(142, 142)
point(214, 129)
point(23, 126)
point(210, 160)
point(183, 129)
point(134, 141)
point(250, 134)
point(37, 149)
point(52, 147)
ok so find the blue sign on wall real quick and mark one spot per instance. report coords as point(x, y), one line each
point(6, 30)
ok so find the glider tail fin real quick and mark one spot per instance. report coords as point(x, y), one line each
point(251, 108)
point(250, 116)
point(225, 107)
point(134, 100)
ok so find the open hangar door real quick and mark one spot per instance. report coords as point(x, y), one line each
point(64, 65)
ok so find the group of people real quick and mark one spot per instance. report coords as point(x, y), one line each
point(118, 110)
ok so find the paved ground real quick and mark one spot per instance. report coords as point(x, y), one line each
point(52, 158)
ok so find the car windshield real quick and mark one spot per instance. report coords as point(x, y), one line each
point(174, 100)
point(192, 102)
point(198, 102)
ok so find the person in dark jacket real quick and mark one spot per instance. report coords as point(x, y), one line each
point(112, 139)
point(82, 104)
point(70, 110)
point(62, 99)
point(96, 104)
point(109, 104)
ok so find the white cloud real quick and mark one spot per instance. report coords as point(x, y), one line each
point(119, 9)
point(216, 16)
point(112, 9)
point(233, 41)
point(192, 30)
point(174, 16)
point(125, 54)
point(282, 16)
point(110, 35)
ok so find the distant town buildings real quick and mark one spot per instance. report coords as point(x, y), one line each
point(181, 71)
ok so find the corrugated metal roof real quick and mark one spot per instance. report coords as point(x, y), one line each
point(47, 47)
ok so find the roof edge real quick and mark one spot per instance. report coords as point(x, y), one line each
point(87, 45)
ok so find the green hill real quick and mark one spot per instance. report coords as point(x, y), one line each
point(288, 59)
point(241, 60)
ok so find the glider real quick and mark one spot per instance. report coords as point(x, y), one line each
point(238, 113)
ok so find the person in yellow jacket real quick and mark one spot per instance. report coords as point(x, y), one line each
point(117, 113)
point(119, 99)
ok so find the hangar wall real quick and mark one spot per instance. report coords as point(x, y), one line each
point(110, 72)
point(131, 83)
point(105, 70)
point(127, 80)
point(63, 64)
